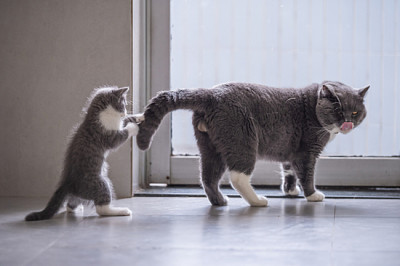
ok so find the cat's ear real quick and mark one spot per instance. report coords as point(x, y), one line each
point(363, 92)
point(326, 92)
point(121, 91)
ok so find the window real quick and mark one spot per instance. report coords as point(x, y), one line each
point(280, 43)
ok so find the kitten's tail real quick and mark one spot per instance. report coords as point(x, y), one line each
point(168, 101)
point(52, 207)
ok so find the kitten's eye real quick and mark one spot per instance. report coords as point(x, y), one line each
point(355, 113)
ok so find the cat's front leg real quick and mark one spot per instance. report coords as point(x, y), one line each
point(304, 169)
point(289, 180)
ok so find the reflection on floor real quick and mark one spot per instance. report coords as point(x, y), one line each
point(188, 231)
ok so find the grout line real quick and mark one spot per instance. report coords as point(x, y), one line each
point(333, 235)
point(52, 243)
point(198, 195)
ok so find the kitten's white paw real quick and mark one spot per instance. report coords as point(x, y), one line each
point(123, 211)
point(107, 210)
point(316, 196)
point(132, 128)
point(139, 118)
point(79, 208)
point(294, 192)
point(261, 202)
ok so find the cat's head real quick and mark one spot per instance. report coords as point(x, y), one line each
point(340, 108)
point(108, 97)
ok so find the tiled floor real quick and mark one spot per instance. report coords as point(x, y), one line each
point(188, 231)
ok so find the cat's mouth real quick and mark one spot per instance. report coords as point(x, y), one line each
point(346, 127)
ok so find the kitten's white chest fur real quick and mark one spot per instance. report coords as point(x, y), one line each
point(111, 118)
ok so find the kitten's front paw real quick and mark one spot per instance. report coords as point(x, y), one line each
point(132, 128)
point(261, 202)
point(316, 196)
point(139, 118)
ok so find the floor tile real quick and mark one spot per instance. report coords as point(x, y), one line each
point(189, 231)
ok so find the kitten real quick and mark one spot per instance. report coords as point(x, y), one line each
point(84, 177)
point(236, 124)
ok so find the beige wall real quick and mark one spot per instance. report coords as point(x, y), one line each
point(52, 54)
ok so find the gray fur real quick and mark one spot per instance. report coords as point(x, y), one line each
point(246, 122)
point(84, 176)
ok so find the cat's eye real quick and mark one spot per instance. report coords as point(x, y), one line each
point(354, 113)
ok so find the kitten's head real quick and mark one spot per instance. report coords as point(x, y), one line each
point(107, 97)
point(340, 108)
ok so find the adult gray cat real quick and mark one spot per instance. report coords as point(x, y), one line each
point(237, 123)
point(84, 177)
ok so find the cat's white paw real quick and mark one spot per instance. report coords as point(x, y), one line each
point(261, 202)
point(132, 128)
point(294, 192)
point(316, 196)
point(107, 210)
point(79, 208)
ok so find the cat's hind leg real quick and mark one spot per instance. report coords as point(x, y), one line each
point(241, 182)
point(289, 180)
point(235, 137)
point(211, 166)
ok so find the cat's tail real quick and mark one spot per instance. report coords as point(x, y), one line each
point(52, 207)
point(168, 101)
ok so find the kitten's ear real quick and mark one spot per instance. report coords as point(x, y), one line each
point(326, 92)
point(121, 91)
point(363, 92)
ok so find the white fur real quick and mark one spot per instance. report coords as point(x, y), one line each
point(316, 196)
point(111, 118)
point(79, 208)
point(287, 172)
point(139, 118)
point(294, 192)
point(241, 182)
point(107, 210)
point(132, 128)
point(333, 133)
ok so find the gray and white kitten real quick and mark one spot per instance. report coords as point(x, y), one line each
point(84, 176)
point(236, 124)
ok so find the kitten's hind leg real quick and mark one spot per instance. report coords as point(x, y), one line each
point(241, 182)
point(74, 205)
point(289, 180)
point(102, 198)
point(108, 210)
point(212, 166)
